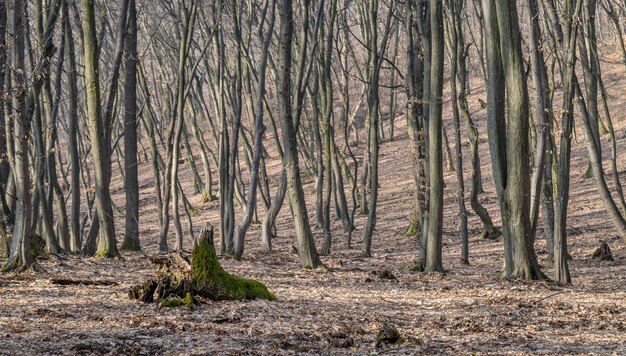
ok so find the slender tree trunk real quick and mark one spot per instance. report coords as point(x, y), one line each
point(596, 165)
point(414, 79)
point(424, 29)
point(435, 210)
point(131, 181)
point(561, 270)
point(306, 246)
point(20, 256)
point(272, 213)
point(489, 230)
point(41, 198)
point(5, 169)
point(326, 95)
point(107, 246)
point(373, 106)
point(454, 46)
point(259, 129)
point(4, 164)
point(319, 151)
point(171, 176)
point(523, 262)
point(156, 159)
point(540, 109)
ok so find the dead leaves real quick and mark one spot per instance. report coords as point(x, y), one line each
point(14, 327)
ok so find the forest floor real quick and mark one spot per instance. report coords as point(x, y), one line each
point(339, 310)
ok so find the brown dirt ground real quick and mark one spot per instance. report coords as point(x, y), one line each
point(340, 309)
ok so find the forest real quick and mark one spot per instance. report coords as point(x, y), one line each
point(312, 177)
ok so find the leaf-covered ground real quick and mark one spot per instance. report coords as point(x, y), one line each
point(339, 310)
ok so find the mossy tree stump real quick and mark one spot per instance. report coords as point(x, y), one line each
point(178, 279)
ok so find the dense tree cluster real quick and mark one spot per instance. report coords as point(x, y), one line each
point(92, 90)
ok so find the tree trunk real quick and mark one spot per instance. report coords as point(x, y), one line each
point(561, 269)
point(20, 256)
point(326, 96)
point(131, 182)
point(508, 136)
point(306, 245)
point(107, 246)
point(454, 46)
point(259, 130)
point(4, 165)
point(524, 264)
point(435, 209)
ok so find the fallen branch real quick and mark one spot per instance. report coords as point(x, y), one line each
point(549, 296)
point(83, 282)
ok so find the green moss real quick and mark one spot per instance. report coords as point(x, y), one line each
point(207, 197)
point(414, 227)
point(588, 173)
point(188, 301)
point(192, 210)
point(107, 254)
point(209, 276)
point(172, 303)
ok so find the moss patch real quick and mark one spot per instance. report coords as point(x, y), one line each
point(207, 197)
point(414, 227)
point(209, 277)
point(189, 301)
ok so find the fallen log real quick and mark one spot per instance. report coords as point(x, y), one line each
point(178, 281)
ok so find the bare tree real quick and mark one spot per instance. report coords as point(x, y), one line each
point(131, 183)
point(107, 246)
point(454, 47)
point(435, 147)
point(20, 254)
point(259, 127)
point(306, 246)
point(375, 60)
point(508, 136)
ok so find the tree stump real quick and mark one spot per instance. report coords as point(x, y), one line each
point(177, 280)
point(603, 252)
